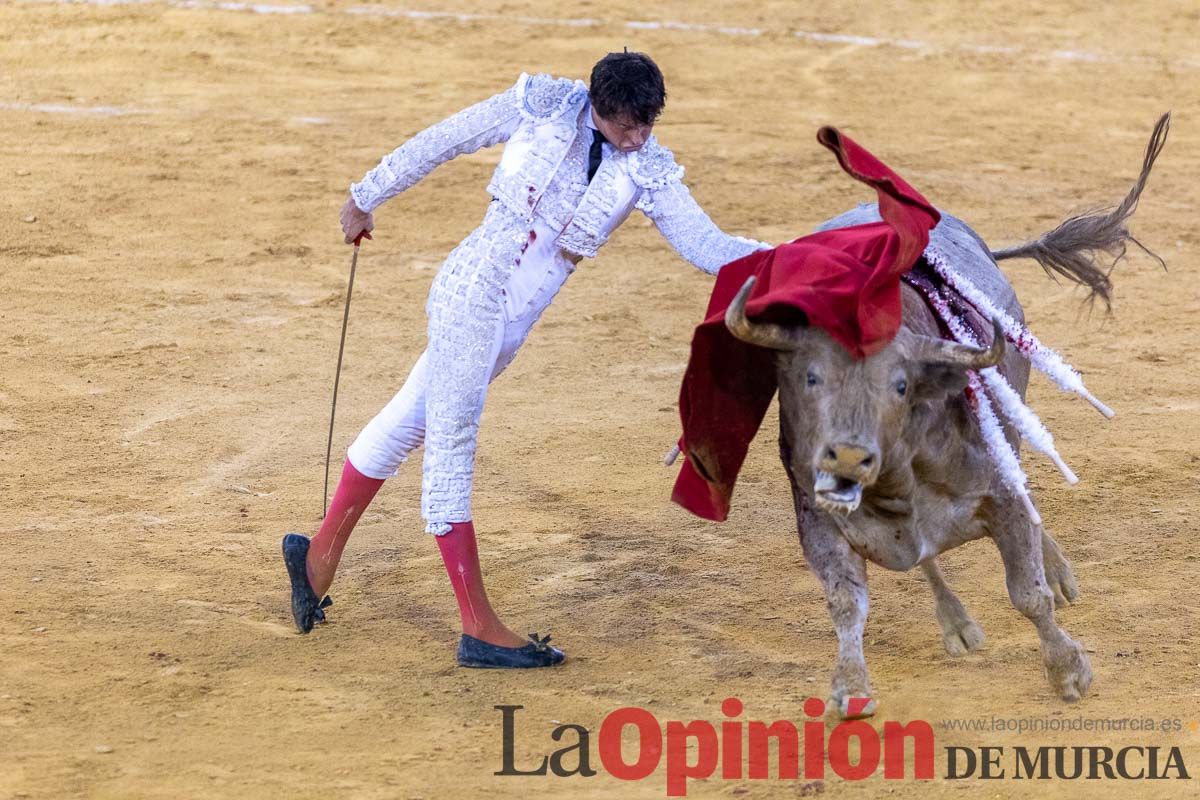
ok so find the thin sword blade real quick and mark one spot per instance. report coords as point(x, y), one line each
point(336, 377)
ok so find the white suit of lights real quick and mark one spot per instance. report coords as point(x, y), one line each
point(544, 217)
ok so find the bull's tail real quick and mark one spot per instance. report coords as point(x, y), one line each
point(1071, 249)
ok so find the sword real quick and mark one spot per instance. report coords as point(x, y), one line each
point(338, 373)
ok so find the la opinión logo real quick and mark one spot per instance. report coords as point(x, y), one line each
point(696, 749)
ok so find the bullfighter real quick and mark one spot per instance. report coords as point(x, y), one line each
point(578, 159)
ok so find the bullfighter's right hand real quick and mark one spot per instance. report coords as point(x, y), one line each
point(355, 222)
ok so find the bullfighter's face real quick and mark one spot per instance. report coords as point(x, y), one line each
point(623, 131)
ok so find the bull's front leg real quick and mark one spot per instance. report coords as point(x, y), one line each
point(1020, 543)
point(960, 633)
point(1059, 574)
point(843, 573)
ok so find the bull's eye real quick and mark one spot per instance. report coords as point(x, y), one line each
point(902, 388)
point(811, 378)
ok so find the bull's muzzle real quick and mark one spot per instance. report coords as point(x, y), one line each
point(842, 470)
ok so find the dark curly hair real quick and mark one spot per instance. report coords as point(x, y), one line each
point(628, 83)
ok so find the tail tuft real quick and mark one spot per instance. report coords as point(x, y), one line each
point(1071, 249)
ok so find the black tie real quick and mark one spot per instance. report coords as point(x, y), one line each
point(596, 153)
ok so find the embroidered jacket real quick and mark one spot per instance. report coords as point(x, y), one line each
point(542, 173)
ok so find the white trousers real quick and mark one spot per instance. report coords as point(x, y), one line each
point(399, 429)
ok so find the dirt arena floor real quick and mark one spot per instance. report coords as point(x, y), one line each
point(171, 284)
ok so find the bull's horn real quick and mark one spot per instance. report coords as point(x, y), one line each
point(760, 334)
point(965, 355)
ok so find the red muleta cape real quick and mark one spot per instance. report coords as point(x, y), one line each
point(846, 281)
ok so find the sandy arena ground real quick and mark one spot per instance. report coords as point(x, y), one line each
point(171, 281)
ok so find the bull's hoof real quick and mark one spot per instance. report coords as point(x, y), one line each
point(850, 693)
point(854, 707)
point(1070, 672)
point(961, 636)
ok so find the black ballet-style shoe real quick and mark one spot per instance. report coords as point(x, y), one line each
point(473, 652)
point(306, 609)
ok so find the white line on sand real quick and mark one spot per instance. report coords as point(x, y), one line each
point(58, 108)
point(1068, 56)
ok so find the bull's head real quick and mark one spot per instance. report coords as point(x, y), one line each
point(849, 419)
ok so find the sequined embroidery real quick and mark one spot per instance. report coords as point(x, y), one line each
point(543, 173)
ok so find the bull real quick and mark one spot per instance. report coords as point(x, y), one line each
point(887, 462)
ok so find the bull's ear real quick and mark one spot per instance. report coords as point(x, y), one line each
point(937, 380)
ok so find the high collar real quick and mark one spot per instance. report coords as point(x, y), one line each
point(587, 116)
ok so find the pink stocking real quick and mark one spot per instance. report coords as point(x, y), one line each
point(460, 554)
point(353, 494)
